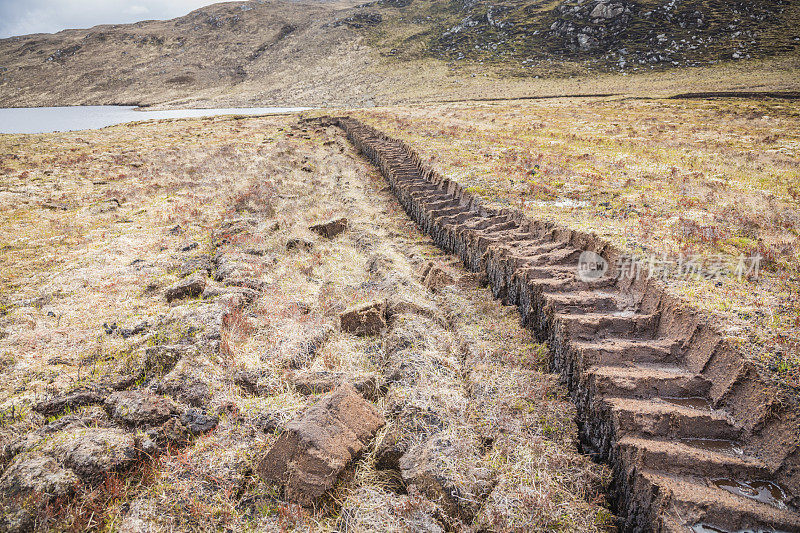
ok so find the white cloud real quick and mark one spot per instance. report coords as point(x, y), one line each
point(48, 16)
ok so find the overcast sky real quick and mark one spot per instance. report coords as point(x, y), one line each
point(20, 17)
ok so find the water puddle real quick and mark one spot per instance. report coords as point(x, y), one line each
point(51, 119)
point(762, 491)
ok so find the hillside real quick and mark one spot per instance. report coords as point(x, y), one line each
point(529, 37)
point(246, 47)
point(393, 51)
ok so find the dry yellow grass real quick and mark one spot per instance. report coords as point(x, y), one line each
point(85, 226)
point(78, 262)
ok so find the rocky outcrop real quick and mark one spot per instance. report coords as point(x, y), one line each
point(617, 35)
point(607, 11)
point(586, 26)
point(139, 408)
point(314, 449)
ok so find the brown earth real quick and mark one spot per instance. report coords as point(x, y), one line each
point(314, 449)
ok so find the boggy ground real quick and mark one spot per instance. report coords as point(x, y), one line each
point(167, 272)
point(712, 180)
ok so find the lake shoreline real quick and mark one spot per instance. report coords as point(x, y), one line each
point(42, 120)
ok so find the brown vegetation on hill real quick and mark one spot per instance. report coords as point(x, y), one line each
point(285, 53)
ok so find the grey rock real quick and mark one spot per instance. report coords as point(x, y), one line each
point(139, 408)
point(92, 452)
point(607, 11)
point(197, 422)
point(587, 42)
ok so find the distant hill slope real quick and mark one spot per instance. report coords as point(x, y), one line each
point(345, 53)
point(616, 35)
point(220, 49)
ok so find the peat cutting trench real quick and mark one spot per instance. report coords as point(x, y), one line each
point(697, 439)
